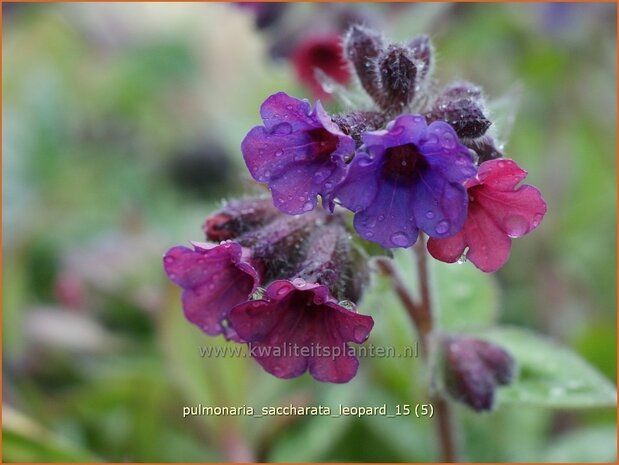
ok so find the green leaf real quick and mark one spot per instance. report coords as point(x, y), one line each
point(23, 440)
point(593, 444)
point(550, 375)
point(465, 297)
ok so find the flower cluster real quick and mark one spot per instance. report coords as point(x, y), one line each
point(418, 161)
point(275, 281)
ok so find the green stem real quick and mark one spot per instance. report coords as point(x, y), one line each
point(425, 327)
point(422, 315)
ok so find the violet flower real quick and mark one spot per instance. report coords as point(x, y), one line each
point(299, 152)
point(410, 179)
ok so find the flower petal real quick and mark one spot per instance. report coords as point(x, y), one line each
point(439, 206)
point(489, 246)
point(449, 249)
point(214, 280)
point(389, 220)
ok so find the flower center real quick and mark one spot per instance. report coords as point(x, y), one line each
point(403, 162)
point(323, 143)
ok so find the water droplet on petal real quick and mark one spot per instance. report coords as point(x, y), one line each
point(449, 142)
point(360, 333)
point(400, 239)
point(537, 220)
point(307, 206)
point(442, 227)
point(429, 214)
point(299, 282)
point(281, 291)
point(169, 260)
point(279, 153)
point(516, 225)
point(369, 234)
point(283, 129)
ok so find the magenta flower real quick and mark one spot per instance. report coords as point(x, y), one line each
point(214, 278)
point(299, 152)
point(410, 179)
point(498, 211)
point(299, 326)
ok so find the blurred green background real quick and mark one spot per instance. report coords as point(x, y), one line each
point(122, 126)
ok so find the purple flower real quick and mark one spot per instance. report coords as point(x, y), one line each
point(299, 326)
point(299, 152)
point(214, 278)
point(409, 178)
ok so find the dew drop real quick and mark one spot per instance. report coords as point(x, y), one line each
point(169, 260)
point(516, 225)
point(283, 129)
point(328, 185)
point(279, 153)
point(400, 239)
point(369, 234)
point(172, 276)
point(360, 334)
point(442, 227)
point(281, 291)
point(307, 206)
point(448, 141)
point(370, 222)
point(429, 214)
point(381, 217)
point(299, 282)
point(537, 220)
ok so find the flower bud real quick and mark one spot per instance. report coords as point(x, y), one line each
point(332, 261)
point(280, 245)
point(362, 46)
point(238, 217)
point(473, 369)
point(486, 149)
point(464, 115)
point(423, 52)
point(398, 77)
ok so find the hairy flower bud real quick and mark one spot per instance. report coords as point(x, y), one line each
point(398, 77)
point(423, 52)
point(362, 46)
point(461, 105)
point(473, 369)
point(355, 123)
point(280, 245)
point(332, 261)
point(464, 115)
point(238, 217)
point(485, 147)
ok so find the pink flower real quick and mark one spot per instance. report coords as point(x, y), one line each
point(214, 278)
point(299, 326)
point(498, 211)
